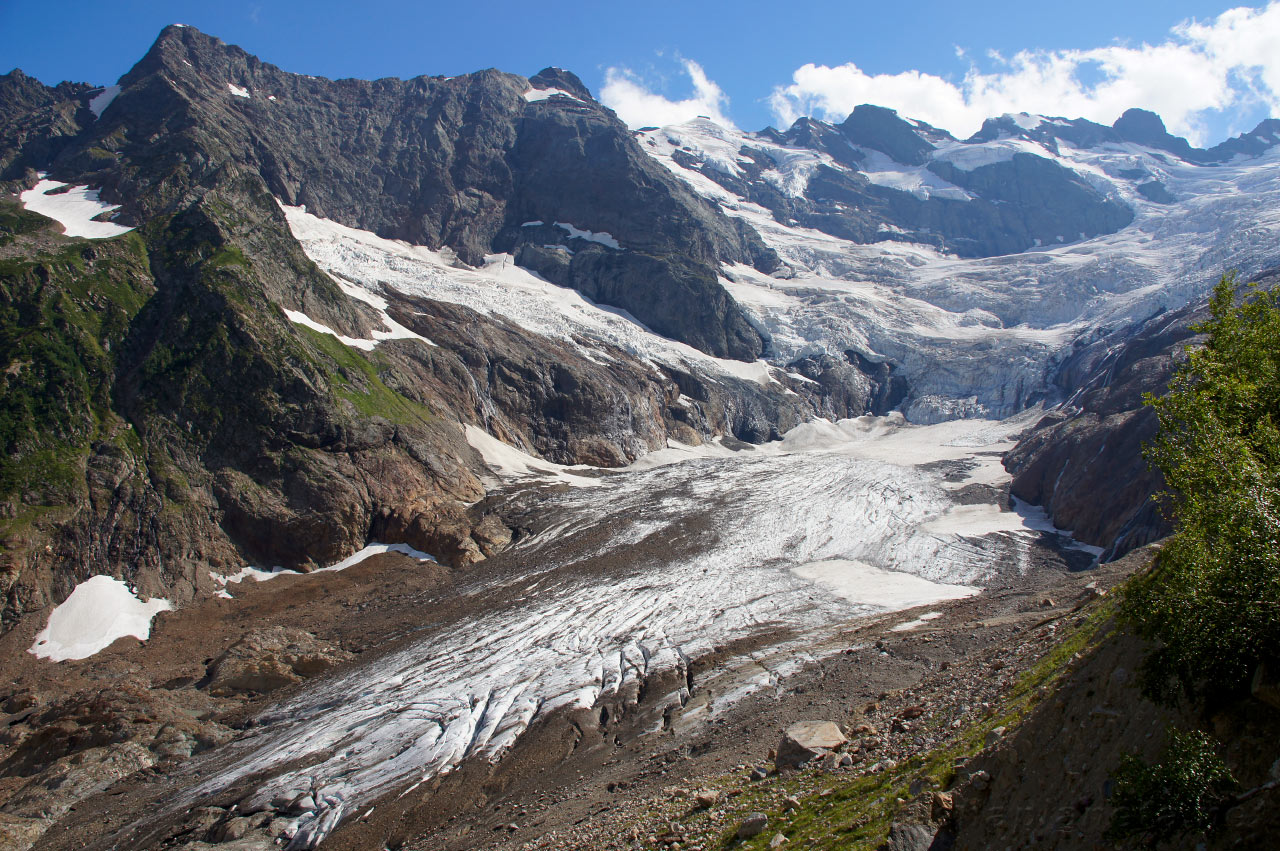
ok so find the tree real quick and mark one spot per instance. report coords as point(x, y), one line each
point(1211, 602)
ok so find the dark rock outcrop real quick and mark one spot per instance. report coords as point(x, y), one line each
point(883, 130)
point(1083, 461)
point(457, 162)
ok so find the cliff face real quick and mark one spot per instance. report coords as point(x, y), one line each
point(460, 162)
point(163, 417)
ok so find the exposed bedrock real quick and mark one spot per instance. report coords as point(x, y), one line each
point(1083, 462)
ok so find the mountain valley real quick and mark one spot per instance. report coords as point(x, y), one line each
point(494, 475)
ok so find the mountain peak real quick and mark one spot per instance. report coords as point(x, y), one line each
point(558, 78)
point(1144, 127)
point(882, 129)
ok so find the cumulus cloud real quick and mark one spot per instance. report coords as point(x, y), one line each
point(1231, 61)
point(626, 94)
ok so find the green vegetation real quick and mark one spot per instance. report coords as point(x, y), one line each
point(1211, 603)
point(356, 380)
point(1177, 795)
point(61, 316)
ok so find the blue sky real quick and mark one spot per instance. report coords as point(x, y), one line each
point(750, 63)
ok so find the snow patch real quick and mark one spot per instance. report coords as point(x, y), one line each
point(534, 95)
point(302, 319)
point(237, 91)
point(513, 464)
point(601, 238)
point(918, 622)
point(100, 610)
point(890, 589)
point(99, 102)
point(373, 549)
point(74, 209)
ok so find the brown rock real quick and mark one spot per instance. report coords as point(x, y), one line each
point(268, 659)
point(707, 798)
point(753, 825)
point(806, 740)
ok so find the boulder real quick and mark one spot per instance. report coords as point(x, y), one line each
point(753, 825)
point(270, 658)
point(806, 740)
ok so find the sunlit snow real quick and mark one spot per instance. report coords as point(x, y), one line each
point(534, 95)
point(74, 209)
point(100, 610)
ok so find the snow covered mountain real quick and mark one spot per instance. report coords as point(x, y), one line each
point(1098, 228)
point(258, 320)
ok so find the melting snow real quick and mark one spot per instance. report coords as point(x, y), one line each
point(918, 622)
point(353, 342)
point(74, 209)
point(809, 532)
point(260, 575)
point(499, 288)
point(513, 464)
point(861, 583)
point(237, 91)
point(100, 610)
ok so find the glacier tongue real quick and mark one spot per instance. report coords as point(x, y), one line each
point(633, 579)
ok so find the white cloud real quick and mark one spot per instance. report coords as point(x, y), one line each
point(636, 105)
point(1232, 61)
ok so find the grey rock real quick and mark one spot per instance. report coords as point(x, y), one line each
point(753, 825)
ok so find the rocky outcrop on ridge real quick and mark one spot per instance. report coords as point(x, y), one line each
point(995, 205)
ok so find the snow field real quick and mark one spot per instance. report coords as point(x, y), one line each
point(100, 610)
point(74, 209)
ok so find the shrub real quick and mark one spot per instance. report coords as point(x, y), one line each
point(1212, 601)
point(1177, 795)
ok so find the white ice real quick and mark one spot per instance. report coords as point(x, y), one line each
point(542, 94)
point(100, 610)
point(805, 533)
point(361, 260)
point(237, 90)
point(259, 575)
point(74, 209)
point(600, 238)
point(891, 589)
point(973, 336)
point(513, 464)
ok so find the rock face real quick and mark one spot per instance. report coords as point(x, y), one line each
point(162, 417)
point(461, 162)
point(806, 740)
point(1083, 462)
point(890, 179)
point(268, 659)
